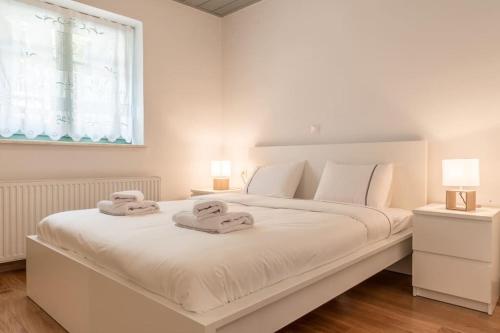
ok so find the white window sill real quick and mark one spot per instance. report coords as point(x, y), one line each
point(61, 143)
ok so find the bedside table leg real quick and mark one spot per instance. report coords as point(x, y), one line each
point(415, 291)
point(491, 308)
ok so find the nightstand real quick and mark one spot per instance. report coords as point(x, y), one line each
point(203, 191)
point(456, 256)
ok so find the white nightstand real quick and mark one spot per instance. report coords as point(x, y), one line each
point(456, 256)
point(203, 191)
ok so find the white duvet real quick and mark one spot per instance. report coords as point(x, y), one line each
point(202, 271)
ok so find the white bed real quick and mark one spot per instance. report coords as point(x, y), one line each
point(97, 273)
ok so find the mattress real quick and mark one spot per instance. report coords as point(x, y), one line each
point(201, 271)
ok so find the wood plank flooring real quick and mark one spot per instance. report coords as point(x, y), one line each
point(17, 313)
point(383, 303)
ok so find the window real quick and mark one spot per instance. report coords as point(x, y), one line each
point(69, 72)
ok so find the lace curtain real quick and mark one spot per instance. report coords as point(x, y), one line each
point(63, 73)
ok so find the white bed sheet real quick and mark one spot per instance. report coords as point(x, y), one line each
point(201, 271)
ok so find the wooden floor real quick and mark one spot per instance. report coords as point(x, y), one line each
point(384, 303)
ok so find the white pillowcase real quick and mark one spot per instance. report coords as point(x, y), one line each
point(368, 185)
point(278, 180)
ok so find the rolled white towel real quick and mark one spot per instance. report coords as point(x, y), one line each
point(127, 196)
point(221, 224)
point(128, 208)
point(203, 209)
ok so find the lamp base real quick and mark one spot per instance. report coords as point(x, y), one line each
point(466, 199)
point(221, 184)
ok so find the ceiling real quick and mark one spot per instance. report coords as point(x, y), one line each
point(218, 7)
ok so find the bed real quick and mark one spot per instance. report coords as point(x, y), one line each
point(147, 275)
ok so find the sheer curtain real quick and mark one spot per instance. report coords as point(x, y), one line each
point(63, 73)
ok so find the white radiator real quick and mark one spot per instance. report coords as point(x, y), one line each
point(24, 203)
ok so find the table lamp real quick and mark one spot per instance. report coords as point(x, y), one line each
point(221, 171)
point(460, 173)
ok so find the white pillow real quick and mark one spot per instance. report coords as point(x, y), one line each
point(278, 180)
point(368, 185)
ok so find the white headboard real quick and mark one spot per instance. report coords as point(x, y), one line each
point(409, 158)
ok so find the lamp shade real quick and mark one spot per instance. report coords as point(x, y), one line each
point(221, 169)
point(461, 172)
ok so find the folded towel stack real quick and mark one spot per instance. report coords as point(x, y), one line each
point(127, 196)
point(204, 209)
point(128, 203)
point(212, 217)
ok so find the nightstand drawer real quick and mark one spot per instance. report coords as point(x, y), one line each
point(452, 236)
point(454, 276)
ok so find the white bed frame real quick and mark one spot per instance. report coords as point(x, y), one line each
point(85, 298)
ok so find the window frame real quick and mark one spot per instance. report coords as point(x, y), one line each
point(137, 75)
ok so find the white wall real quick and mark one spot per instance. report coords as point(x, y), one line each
point(182, 87)
point(367, 71)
